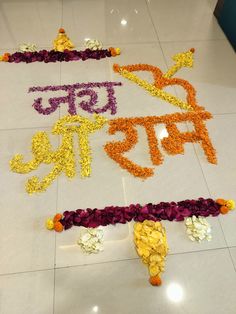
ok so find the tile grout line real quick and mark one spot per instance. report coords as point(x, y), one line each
point(193, 40)
point(26, 272)
point(57, 194)
point(62, 13)
point(129, 43)
point(160, 42)
point(208, 188)
point(113, 261)
point(204, 177)
point(26, 128)
point(55, 246)
point(165, 60)
point(234, 265)
point(153, 25)
point(49, 127)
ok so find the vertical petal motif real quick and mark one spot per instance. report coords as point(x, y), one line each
point(151, 245)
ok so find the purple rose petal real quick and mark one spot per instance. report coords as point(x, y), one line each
point(163, 211)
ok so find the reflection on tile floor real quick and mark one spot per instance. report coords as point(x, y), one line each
point(47, 273)
point(190, 285)
point(30, 292)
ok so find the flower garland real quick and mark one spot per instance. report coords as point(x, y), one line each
point(162, 80)
point(54, 56)
point(173, 144)
point(62, 51)
point(63, 159)
point(172, 211)
point(70, 98)
point(151, 245)
point(198, 228)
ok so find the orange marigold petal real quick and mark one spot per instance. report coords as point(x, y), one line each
point(155, 281)
point(221, 201)
point(58, 227)
point(224, 210)
point(57, 217)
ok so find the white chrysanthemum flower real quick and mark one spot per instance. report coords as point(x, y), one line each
point(27, 47)
point(93, 44)
point(91, 240)
point(198, 229)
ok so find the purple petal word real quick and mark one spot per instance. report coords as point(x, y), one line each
point(70, 98)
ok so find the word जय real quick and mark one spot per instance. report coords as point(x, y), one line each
point(86, 89)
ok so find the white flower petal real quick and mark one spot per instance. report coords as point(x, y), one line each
point(91, 240)
point(198, 229)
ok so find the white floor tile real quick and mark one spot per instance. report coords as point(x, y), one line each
point(109, 21)
point(199, 278)
point(16, 103)
point(179, 242)
point(212, 75)
point(29, 21)
point(184, 20)
point(169, 180)
point(27, 293)
point(233, 255)
point(118, 245)
point(189, 286)
point(88, 71)
point(221, 178)
point(24, 244)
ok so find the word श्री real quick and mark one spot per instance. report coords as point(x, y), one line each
point(85, 89)
point(63, 159)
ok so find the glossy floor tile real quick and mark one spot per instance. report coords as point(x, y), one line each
point(112, 21)
point(179, 243)
point(213, 73)
point(221, 178)
point(184, 20)
point(118, 245)
point(29, 21)
point(43, 272)
point(24, 244)
point(27, 293)
point(233, 256)
point(16, 102)
point(190, 283)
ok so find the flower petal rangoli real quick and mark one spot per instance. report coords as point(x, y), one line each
point(63, 159)
point(173, 144)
